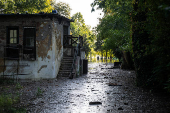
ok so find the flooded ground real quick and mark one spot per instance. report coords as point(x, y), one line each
point(102, 90)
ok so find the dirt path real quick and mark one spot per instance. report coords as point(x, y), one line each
point(100, 91)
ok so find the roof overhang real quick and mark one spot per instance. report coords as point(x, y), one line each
point(50, 15)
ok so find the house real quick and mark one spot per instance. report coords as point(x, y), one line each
point(31, 45)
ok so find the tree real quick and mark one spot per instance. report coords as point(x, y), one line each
point(148, 22)
point(115, 27)
point(21, 6)
point(78, 27)
point(151, 43)
point(62, 8)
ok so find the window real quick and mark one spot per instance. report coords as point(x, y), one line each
point(12, 35)
point(29, 47)
point(29, 36)
point(12, 48)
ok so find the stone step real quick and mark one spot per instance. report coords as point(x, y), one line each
point(64, 75)
point(67, 57)
point(65, 62)
point(64, 71)
point(65, 67)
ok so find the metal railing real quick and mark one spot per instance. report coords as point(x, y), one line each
point(71, 41)
point(76, 52)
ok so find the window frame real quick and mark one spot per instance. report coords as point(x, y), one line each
point(12, 49)
point(8, 35)
point(26, 53)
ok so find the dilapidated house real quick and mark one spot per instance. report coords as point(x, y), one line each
point(31, 45)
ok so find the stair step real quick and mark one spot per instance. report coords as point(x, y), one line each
point(63, 75)
point(65, 67)
point(65, 71)
point(68, 58)
point(66, 62)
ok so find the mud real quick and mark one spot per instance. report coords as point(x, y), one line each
point(100, 91)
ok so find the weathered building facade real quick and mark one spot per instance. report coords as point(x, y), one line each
point(31, 45)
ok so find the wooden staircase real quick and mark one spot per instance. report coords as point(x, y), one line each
point(65, 68)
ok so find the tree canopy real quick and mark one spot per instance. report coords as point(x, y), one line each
point(78, 27)
point(21, 6)
point(140, 27)
point(62, 8)
point(115, 27)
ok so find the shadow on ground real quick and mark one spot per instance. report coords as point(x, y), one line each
point(102, 90)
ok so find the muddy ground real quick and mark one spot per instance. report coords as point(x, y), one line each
point(102, 90)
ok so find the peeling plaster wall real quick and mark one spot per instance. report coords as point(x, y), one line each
point(58, 48)
point(49, 49)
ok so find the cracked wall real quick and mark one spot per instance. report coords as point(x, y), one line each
point(49, 48)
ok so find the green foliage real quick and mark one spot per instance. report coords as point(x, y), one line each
point(7, 102)
point(21, 6)
point(62, 8)
point(113, 6)
point(151, 43)
point(39, 92)
point(18, 86)
point(141, 27)
point(78, 27)
point(115, 27)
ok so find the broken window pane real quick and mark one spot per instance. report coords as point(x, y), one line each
point(29, 50)
point(29, 37)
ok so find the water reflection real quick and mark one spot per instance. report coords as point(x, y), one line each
point(88, 90)
point(103, 60)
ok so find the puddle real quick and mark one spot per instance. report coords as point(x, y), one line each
point(93, 93)
point(95, 103)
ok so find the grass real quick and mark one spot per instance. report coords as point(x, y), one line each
point(39, 92)
point(6, 104)
point(18, 86)
point(7, 101)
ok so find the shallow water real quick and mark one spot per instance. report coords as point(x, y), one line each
point(99, 91)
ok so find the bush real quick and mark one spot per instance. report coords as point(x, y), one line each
point(7, 102)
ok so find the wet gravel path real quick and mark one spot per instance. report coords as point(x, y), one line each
point(100, 91)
